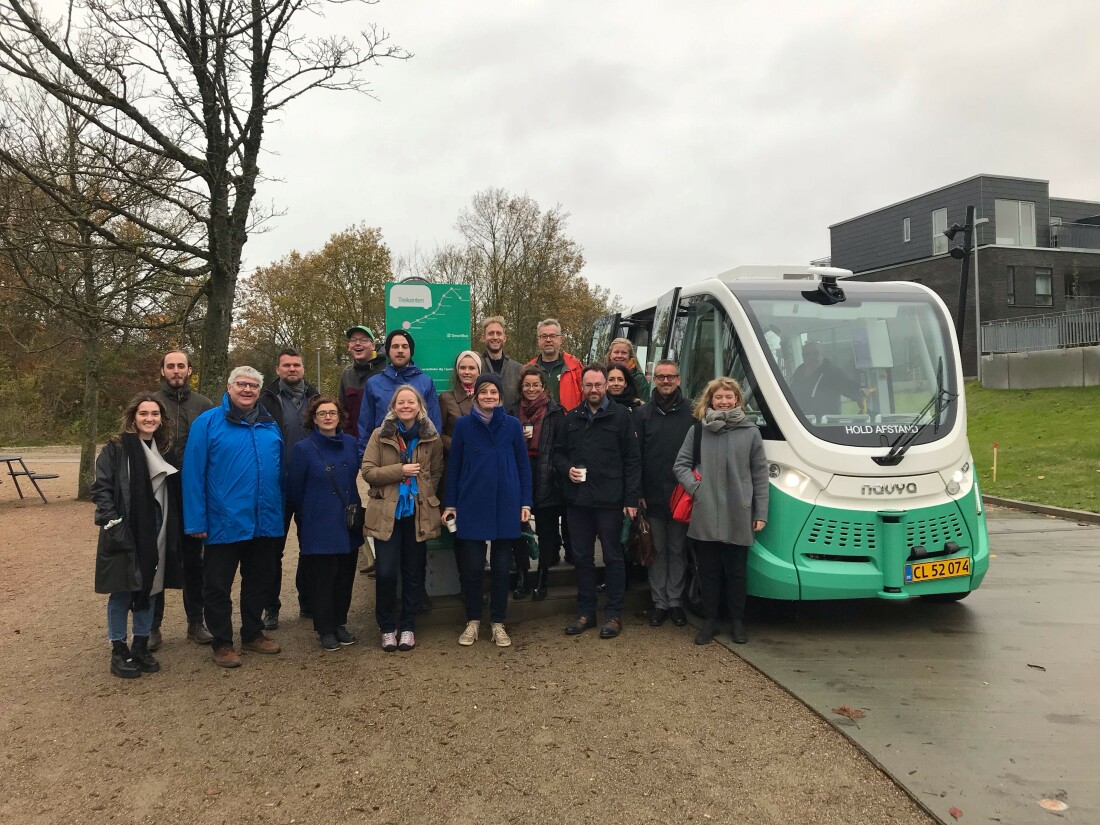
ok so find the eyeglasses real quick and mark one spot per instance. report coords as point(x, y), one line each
point(549, 336)
point(360, 340)
point(325, 413)
point(666, 377)
point(598, 386)
point(246, 385)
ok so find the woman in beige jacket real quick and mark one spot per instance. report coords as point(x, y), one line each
point(403, 464)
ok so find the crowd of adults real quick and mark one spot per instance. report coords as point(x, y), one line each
point(552, 452)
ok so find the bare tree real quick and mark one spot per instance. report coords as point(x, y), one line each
point(192, 85)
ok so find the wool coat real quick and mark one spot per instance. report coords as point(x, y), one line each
point(310, 490)
point(488, 476)
point(382, 471)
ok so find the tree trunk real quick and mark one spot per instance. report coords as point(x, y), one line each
point(86, 475)
point(214, 367)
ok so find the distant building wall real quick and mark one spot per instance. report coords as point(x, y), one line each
point(1075, 367)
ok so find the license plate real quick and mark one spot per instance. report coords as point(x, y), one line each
point(929, 570)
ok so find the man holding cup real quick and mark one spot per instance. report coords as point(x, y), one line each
point(598, 458)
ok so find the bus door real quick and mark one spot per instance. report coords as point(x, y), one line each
point(660, 333)
point(603, 332)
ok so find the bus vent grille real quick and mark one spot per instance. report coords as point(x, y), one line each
point(933, 532)
point(851, 535)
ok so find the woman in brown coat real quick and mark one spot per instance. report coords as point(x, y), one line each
point(458, 400)
point(403, 464)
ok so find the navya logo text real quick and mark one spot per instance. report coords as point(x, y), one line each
point(888, 489)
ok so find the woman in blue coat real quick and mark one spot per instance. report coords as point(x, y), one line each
point(489, 495)
point(321, 485)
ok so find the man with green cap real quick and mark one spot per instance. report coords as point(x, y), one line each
point(354, 377)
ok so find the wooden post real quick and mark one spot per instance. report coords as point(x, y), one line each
point(994, 462)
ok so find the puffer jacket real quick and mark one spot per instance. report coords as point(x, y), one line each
point(233, 477)
point(182, 406)
point(380, 389)
point(382, 471)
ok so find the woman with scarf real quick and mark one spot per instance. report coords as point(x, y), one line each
point(541, 417)
point(621, 388)
point(730, 491)
point(489, 497)
point(137, 498)
point(459, 399)
point(403, 464)
point(622, 352)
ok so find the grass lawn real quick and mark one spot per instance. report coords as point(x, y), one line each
point(1048, 444)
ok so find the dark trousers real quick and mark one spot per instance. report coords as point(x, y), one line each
point(473, 567)
point(585, 525)
point(191, 551)
point(329, 578)
point(257, 559)
point(274, 602)
point(720, 563)
point(399, 555)
point(552, 529)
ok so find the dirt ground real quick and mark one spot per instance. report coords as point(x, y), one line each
point(648, 728)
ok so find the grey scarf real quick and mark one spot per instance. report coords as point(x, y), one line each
point(720, 421)
point(296, 394)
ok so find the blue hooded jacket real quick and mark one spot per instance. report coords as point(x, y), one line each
point(380, 389)
point(233, 476)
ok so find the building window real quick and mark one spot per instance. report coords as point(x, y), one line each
point(1015, 222)
point(939, 224)
point(1043, 281)
point(1011, 286)
point(905, 230)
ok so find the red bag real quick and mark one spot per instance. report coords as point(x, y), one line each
point(681, 502)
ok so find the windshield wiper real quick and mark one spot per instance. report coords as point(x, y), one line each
point(904, 441)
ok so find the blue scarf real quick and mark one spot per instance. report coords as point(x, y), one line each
point(407, 492)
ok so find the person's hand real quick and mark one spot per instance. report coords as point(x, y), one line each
point(641, 502)
point(410, 469)
point(525, 514)
point(575, 475)
point(630, 511)
point(198, 535)
point(448, 514)
point(758, 525)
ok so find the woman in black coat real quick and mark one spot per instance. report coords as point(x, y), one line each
point(621, 388)
point(137, 498)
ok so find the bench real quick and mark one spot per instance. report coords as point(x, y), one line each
point(26, 472)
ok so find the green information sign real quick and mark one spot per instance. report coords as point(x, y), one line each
point(438, 318)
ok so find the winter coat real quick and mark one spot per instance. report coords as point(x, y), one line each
point(310, 490)
point(233, 477)
point(453, 404)
point(660, 436)
point(382, 471)
point(488, 476)
point(607, 445)
point(509, 378)
point(733, 492)
point(545, 486)
point(293, 431)
point(352, 381)
point(115, 571)
point(380, 389)
point(182, 407)
point(567, 390)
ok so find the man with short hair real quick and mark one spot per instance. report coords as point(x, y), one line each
point(233, 492)
point(563, 371)
point(662, 425)
point(366, 363)
point(596, 455)
point(495, 361)
point(182, 406)
point(287, 398)
point(380, 388)
point(818, 384)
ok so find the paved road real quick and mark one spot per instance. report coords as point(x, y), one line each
point(987, 705)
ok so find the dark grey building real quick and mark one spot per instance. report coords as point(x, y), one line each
point(1034, 253)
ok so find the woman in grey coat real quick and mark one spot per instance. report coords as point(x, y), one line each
point(730, 492)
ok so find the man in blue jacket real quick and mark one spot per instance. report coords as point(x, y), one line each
point(380, 388)
point(233, 500)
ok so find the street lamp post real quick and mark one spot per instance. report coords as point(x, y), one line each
point(977, 298)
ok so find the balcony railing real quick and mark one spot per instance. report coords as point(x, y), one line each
point(1074, 236)
point(1038, 332)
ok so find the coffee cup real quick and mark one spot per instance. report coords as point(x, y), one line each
point(452, 524)
point(582, 471)
point(528, 430)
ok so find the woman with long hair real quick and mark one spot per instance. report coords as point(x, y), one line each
point(621, 388)
point(403, 464)
point(730, 491)
point(622, 352)
point(320, 487)
point(137, 507)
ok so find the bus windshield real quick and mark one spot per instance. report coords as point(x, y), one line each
point(863, 371)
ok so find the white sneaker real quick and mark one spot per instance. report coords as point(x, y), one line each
point(407, 640)
point(500, 636)
point(469, 635)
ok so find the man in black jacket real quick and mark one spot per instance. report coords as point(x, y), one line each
point(597, 458)
point(182, 407)
point(662, 425)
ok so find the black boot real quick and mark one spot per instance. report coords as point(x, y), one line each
point(706, 632)
point(122, 664)
point(542, 585)
point(523, 585)
point(142, 657)
point(738, 633)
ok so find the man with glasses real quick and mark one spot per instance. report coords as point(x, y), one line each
point(366, 362)
point(233, 484)
point(662, 425)
point(563, 371)
point(597, 458)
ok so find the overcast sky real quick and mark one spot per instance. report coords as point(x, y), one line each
point(685, 138)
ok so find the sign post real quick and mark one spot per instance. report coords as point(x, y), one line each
point(438, 318)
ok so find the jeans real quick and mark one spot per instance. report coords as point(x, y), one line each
point(329, 578)
point(473, 567)
point(400, 554)
point(718, 563)
point(191, 550)
point(118, 606)
point(274, 603)
point(667, 573)
point(257, 559)
point(585, 525)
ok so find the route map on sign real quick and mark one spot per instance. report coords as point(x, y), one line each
point(438, 318)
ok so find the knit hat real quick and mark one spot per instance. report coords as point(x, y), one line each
point(488, 378)
point(389, 339)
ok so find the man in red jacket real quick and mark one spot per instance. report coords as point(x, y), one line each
point(563, 371)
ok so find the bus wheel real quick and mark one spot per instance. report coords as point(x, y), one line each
point(945, 598)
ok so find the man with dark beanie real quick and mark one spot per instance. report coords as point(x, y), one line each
point(380, 388)
point(367, 362)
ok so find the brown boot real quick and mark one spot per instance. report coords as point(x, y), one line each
point(262, 644)
point(226, 656)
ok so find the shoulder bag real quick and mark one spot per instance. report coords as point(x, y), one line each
point(680, 503)
point(353, 513)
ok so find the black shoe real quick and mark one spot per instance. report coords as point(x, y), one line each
point(155, 639)
point(611, 628)
point(328, 642)
point(122, 664)
point(657, 616)
point(303, 613)
point(679, 617)
point(579, 625)
point(142, 657)
point(343, 637)
point(706, 632)
point(271, 619)
point(523, 586)
point(737, 632)
point(542, 585)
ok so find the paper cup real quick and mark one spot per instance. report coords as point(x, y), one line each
point(452, 525)
point(528, 430)
point(583, 473)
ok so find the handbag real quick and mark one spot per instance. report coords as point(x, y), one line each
point(681, 502)
point(530, 541)
point(354, 514)
point(640, 542)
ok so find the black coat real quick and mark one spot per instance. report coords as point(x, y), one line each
point(660, 436)
point(607, 445)
point(544, 480)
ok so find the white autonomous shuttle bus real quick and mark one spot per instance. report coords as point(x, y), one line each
point(857, 390)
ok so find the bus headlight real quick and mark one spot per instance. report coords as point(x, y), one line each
point(953, 487)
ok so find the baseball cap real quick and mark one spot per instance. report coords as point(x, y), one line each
point(365, 330)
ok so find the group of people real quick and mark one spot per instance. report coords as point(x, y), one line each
point(191, 492)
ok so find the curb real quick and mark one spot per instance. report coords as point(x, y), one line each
point(1043, 509)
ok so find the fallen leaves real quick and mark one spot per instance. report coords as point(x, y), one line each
point(955, 812)
point(854, 714)
point(1054, 805)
